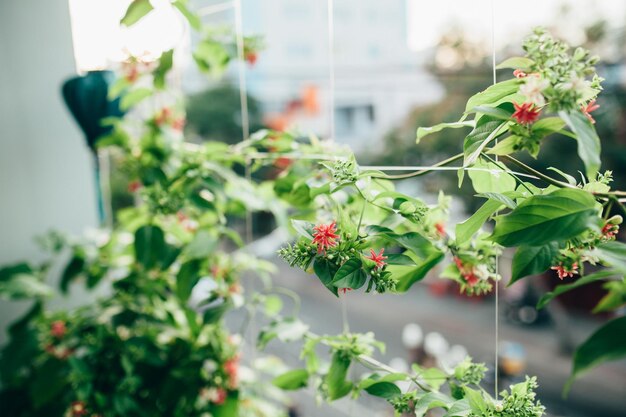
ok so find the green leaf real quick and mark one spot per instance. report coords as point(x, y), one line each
point(407, 276)
point(466, 229)
point(505, 146)
point(501, 112)
point(325, 272)
point(203, 244)
point(490, 178)
point(192, 18)
point(570, 180)
point(350, 275)
point(41, 390)
point(614, 299)
point(287, 330)
point(186, 279)
point(487, 129)
point(506, 199)
point(211, 57)
point(493, 94)
point(532, 260)
point(516, 62)
point(431, 400)
point(613, 254)
point(165, 64)
point(544, 127)
point(335, 380)
point(606, 344)
point(588, 140)
point(149, 245)
point(558, 216)
point(133, 97)
point(136, 10)
point(386, 390)
point(215, 313)
point(273, 305)
point(292, 380)
point(73, 269)
point(425, 131)
point(24, 286)
point(596, 276)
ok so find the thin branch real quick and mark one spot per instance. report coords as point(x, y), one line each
point(420, 172)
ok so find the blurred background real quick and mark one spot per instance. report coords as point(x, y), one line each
point(398, 64)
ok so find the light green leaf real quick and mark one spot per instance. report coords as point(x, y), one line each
point(558, 216)
point(466, 229)
point(547, 125)
point(493, 94)
point(134, 97)
point(516, 62)
point(165, 64)
point(192, 18)
point(287, 330)
point(425, 131)
point(612, 253)
point(487, 129)
point(431, 400)
point(532, 260)
point(292, 380)
point(136, 10)
point(335, 379)
point(506, 198)
point(570, 180)
point(505, 146)
point(490, 178)
point(588, 140)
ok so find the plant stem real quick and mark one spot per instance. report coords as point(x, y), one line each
point(420, 172)
point(536, 173)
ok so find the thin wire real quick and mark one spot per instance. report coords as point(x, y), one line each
point(243, 88)
point(331, 68)
point(497, 269)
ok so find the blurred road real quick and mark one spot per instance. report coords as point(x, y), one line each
point(602, 392)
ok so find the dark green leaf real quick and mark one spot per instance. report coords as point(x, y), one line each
point(407, 276)
point(186, 279)
point(149, 245)
point(350, 275)
point(386, 390)
point(292, 380)
point(325, 271)
point(532, 260)
point(73, 269)
point(558, 216)
point(606, 344)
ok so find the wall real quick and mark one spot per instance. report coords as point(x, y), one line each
point(46, 178)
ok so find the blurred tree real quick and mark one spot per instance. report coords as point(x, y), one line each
point(214, 114)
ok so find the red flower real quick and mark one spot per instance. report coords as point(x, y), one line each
point(325, 236)
point(345, 290)
point(251, 58)
point(564, 272)
point(441, 229)
point(378, 258)
point(78, 409)
point(467, 272)
point(609, 231)
point(525, 113)
point(134, 186)
point(231, 367)
point(588, 108)
point(518, 73)
point(58, 329)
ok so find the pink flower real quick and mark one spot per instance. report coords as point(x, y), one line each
point(525, 113)
point(251, 58)
point(163, 116)
point(58, 329)
point(589, 108)
point(179, 124)
point(518, 73)
point(231, 367)
point(564, 272)
point(379, 259)
point(219, 396)
point(325, 236)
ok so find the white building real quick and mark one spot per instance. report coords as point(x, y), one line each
point(378, 79)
